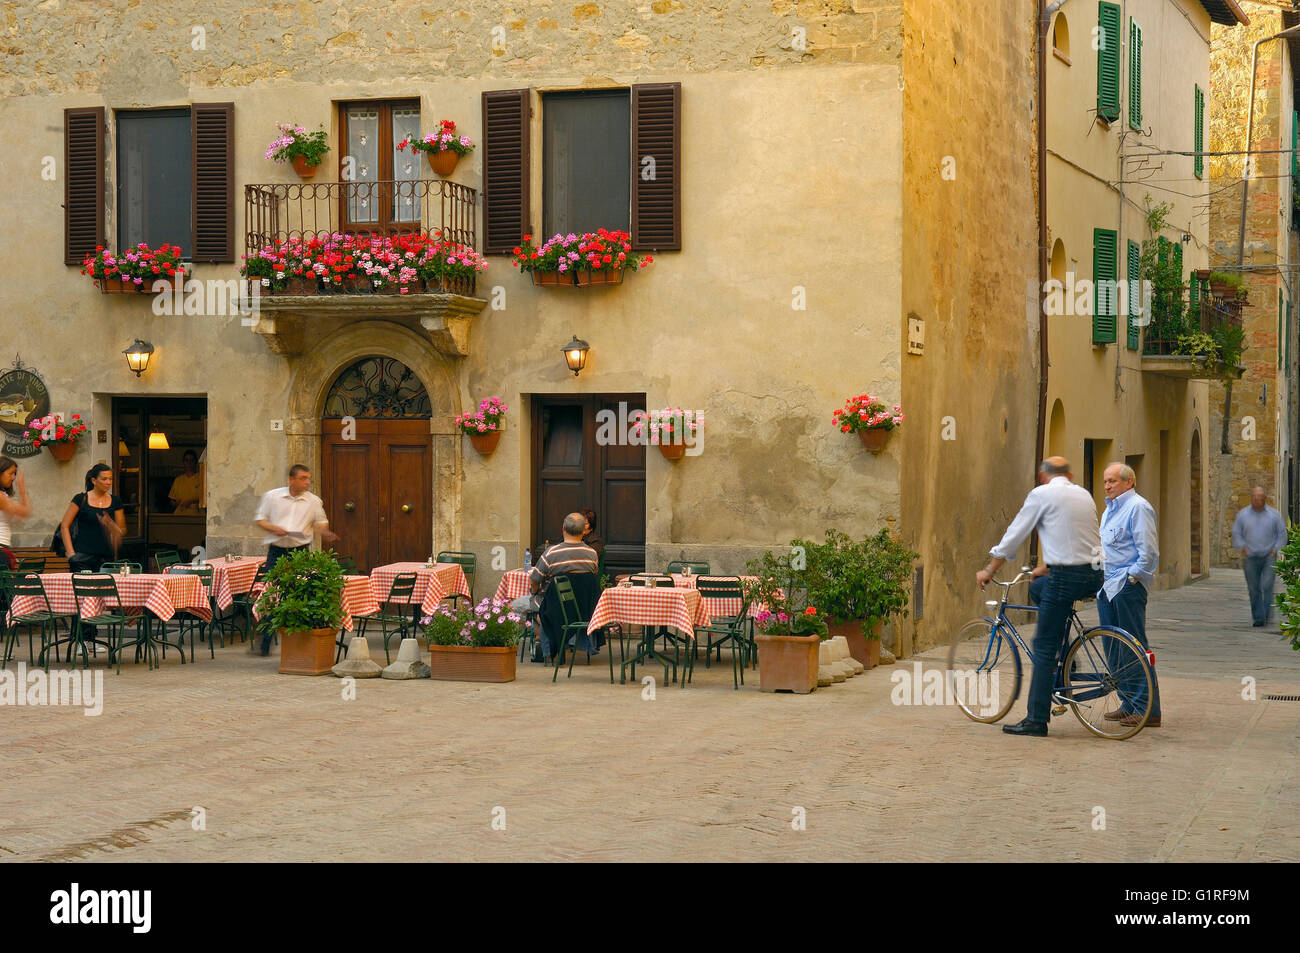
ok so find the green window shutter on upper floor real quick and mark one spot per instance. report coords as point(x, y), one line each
point(1108, 44)
point(1103, 277)
point(1198, 132)
point(1133, 276)
point(1134, 75)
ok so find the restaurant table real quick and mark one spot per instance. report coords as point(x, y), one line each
point(717, 608)
point(513, 584)
point(162, 594)
point(679, 609)
point(432, 583)
point(358, 599)
point(230, 579)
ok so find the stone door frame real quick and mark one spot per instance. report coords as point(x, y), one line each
point(321, 364)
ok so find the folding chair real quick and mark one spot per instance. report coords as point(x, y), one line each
point(104, 588)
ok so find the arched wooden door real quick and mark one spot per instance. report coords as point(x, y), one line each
point(377, 463)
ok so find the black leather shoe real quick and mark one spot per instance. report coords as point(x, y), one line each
point(1037, 729)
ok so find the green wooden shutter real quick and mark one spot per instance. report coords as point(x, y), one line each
point(1198, 133)
point(1134, 75)
point(1134, 301)
point(1109, 42)
point(1103, 279)
point(1193, 300)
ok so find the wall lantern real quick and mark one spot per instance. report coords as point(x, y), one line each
point(575, 354)
point(137, 356)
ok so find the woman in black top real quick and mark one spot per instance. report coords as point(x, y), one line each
point(100, 520)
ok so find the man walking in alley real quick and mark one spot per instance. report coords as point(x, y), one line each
point(1259, 532)
point(1066, 519)
point(1130, 554)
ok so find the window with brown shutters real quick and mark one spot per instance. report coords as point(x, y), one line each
point(213, 128)
point(505, 169)
point(656, 167)
point(83, 183)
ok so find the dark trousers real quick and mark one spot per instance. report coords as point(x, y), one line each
point(273, 555)
point(1259, 580)
point(1128, 611)
point(1064, 585)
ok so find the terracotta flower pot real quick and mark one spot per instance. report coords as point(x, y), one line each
point(114, 286)
point(303, 169)
point(787, 663)
point(864, 648)
point(874, 439)
point(297, 285)
point(552, 279)
point(444, 162)
point(587, 278)
point(63, 452)
point(306, 653)
point(485, 443)
point(463, 663)
point(672, 451)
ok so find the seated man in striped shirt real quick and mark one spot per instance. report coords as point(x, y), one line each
point(571, 556)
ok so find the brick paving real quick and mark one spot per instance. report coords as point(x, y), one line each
point(285, 769)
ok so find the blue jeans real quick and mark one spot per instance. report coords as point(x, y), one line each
point(1128, 611)
point(1259, 580)
point(1064, 585)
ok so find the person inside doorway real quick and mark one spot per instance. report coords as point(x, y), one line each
point(186, 492)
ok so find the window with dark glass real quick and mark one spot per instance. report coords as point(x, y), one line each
point(155, 178)
point(587, 148)
point(371, 132)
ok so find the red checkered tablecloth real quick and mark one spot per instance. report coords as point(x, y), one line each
point(161, 594)
point(679, 609)
point(717, 608)
point(514, 583)
point(432, 583)
point(357, 599)
point(230, 579)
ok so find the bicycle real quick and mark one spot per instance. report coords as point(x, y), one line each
point(984, 661)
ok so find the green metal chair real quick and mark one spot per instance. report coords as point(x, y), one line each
point(733, 629)
point(347, 564)
point(241, 604)
point(17, 586)
point(468, 564)
point(164, 558)
point(574, 630)
point(400, 593)
point(112, 616)
point(118, 567)
point(28, 564)
point(188, 621)
point(699, 567)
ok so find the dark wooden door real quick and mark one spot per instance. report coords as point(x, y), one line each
point(571, 470)
point(378, 489)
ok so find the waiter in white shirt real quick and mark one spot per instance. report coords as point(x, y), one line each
point(1066, 519)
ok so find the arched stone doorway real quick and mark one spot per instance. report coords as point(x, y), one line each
point(1196, 517)
point(319, 369)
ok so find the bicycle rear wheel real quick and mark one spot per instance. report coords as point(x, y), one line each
point(983, 671)
point(1105, 671)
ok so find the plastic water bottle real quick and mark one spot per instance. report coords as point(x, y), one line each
point(528, 559)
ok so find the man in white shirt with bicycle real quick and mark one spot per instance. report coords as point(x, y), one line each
point(1066, 519)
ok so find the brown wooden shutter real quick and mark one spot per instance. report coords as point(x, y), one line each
point(505, 169)
point(213, 133)
point(657, 198)
point(83, 183)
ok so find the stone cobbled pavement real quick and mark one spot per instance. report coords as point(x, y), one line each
point(285, 769)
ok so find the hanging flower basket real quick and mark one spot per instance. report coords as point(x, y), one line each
point(443, 163)
point(485, 443)
point(444, 147)
point(303, 169)
point(873, 440)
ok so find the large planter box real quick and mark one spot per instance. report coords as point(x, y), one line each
point(787, 663)
point(463, 663)
point(865, 650)
point(306, 653)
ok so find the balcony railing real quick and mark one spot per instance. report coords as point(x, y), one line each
point(1171, 319)
point(282, 210)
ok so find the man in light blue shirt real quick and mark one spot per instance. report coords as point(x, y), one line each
point(1130, 553)
point(1259, 532)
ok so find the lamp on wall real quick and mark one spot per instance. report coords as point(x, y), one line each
point(137, 356)
point(158, 441)
point(575, 354)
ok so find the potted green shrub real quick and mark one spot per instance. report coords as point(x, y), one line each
point(303, 600)
point(473, 643)
point(789, 631)
point(858, 586)
point(1288, 596)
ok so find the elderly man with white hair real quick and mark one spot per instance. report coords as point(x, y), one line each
point(1130, 553)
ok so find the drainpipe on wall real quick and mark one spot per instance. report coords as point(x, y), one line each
point(1044, 24)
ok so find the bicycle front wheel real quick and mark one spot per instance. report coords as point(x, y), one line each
point(983, 671)
point(1106, 673)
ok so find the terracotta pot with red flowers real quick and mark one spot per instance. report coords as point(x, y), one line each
point(56, 435)
point(580, 261)
point(483, 427)
point(672, 429)
point(867, 417)
point(136, 270)
point(443, 148)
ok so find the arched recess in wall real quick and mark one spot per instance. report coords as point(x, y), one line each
point(1056, 431)
point(1058, 261)
point(1061, 35)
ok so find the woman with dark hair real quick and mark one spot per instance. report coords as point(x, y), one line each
point(10, 509)
point(590, 536)
point(100, 519)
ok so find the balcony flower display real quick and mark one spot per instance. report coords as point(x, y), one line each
point(443, 148)
point(295, 144)
point(484, 426)
point(351, 264)
point(592, 258)
point(868, 418)
point(134, 270)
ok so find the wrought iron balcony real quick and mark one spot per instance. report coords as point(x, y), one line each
point(1218, 317)
point(283, 210)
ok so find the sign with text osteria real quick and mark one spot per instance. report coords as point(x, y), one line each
point(23, 397)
